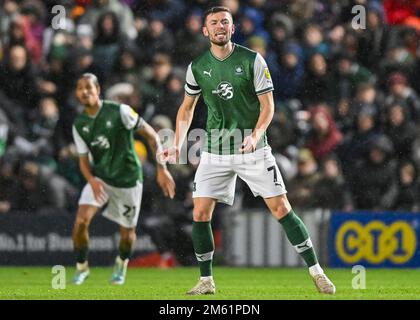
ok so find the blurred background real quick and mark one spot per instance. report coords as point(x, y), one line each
point(345, 131)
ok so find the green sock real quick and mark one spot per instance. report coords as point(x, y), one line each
point(81, 254)
point(125, 253)
point(203, 242)
point(298, 236)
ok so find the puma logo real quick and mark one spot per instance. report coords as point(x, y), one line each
point(304, 246)
point(208, 72)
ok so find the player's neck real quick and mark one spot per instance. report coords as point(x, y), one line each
point(221, 52)
point(92, 110)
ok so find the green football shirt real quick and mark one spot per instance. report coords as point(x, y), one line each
point(230, 89)
point(108, 139)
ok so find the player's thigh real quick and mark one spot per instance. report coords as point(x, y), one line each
point(85, 214)
point(214, 179)
point(261, 173)
point(279, 206)
point(203, 209)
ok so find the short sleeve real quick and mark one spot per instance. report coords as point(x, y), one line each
point(130, 118)
point(262, 78)
point(191, 86)
point(81, 146)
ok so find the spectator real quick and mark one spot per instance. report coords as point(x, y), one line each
point(8, 12)
point(356, 144)
point(401, 92)
point(373, 41)
point(8, 185)
point(158, 39)
point(347, 76)
point(324, 137)
point(122, 12)
point(406, 188)
point(302, 187)
point(401, 130)
point(174, 94)
point(250, 25)
point(190, 41)
point(17, 78)
point(154, 90)
point(374, 176)
point(107, 42)
point(41, 190)
point(291, 72)
point(281, 31)
point(331, 191)
point(126, 67)
point(314, 42)
point(316, 83)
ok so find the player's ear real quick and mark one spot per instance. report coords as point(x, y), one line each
point(205, 31)
point(233, 28)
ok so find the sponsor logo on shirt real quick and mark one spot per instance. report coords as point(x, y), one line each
point(101, 142)
point(224, 90)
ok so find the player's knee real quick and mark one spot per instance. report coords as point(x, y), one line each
point(282, 209)
point(201, 215)
point(81, 223)
point(128, 236)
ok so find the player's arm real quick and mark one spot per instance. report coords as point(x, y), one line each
point(84, 164)
point(183, 123)
point(163, 176)
point(184, 117)
point(266, 115)
point(264, 90)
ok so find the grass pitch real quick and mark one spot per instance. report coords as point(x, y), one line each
point(232, 284)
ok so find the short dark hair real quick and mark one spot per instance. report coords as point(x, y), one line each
point(90, 76)
point(215, 10)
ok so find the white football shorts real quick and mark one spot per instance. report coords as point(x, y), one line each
point(216, 175)
point(123, 203)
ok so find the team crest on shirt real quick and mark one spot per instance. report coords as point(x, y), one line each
point(239, 70)
point(224, 90)
point(108, 124)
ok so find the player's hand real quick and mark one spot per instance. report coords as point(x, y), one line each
point(166, 182)
point(98, 188)
point(248, 145)
point(168, 155)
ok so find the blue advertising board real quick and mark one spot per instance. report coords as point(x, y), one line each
point(374, 239)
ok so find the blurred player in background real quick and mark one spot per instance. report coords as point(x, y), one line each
point(237, 88)
point(103, 134)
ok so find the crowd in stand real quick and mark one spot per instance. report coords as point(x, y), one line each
point(345, 131)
